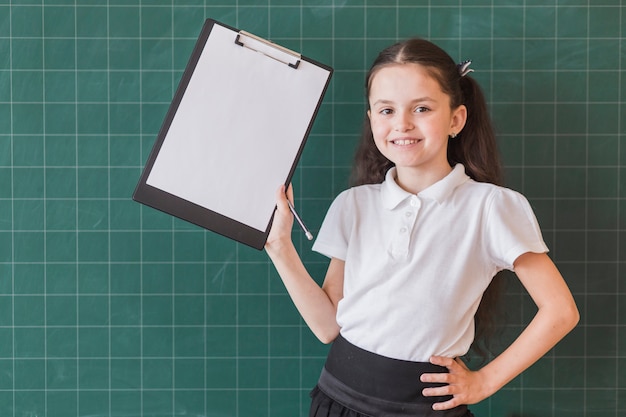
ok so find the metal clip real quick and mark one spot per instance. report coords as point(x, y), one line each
point(268, 48)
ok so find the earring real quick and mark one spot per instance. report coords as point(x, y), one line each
point(453, 135)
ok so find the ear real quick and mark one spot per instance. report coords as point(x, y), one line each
point(369, 114)
point(459, 117)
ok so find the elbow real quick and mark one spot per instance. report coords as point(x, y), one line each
point(326, 340)
point(570, 316)
point(328, 336)
point(560, 318)
point(574, 316)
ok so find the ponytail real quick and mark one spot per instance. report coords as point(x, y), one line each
point(475, 147)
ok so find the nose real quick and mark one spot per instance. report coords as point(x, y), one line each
point(403, 122)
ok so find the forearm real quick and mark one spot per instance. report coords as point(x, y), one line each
point(545, 330)
point(467, 387)
point(556, 316)
point(314, 304)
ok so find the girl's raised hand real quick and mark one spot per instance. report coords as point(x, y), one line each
point(280, 233)
point(465, 386)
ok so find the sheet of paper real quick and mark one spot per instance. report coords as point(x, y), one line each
point(237, 130)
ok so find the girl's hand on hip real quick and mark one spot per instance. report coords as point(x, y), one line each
point(465, 386)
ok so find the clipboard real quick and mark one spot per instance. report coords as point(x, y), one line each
point(234, 132)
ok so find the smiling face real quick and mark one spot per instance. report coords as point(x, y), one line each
point(411, 120)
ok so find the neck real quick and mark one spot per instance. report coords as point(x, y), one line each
point(415, 180)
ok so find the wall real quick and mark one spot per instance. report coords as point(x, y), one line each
point(109, 308)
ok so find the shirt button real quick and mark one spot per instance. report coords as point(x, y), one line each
point(403, 230)
point(408, 214)
point(414, 202)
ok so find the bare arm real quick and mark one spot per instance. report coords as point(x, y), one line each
point(317, 305)
point(556, 316)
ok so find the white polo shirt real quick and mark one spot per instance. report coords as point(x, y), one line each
point(416, 266)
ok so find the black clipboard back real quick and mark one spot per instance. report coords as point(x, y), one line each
point(234, 132)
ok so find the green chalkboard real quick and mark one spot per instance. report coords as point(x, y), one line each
point(110, 308)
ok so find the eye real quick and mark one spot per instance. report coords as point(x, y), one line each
point(386, 111)
point(421, 109)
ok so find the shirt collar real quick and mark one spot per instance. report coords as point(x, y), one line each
point(393, 195)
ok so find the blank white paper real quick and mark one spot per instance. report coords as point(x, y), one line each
point(237, 130)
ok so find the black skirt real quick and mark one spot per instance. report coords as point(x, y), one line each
point(358, 383)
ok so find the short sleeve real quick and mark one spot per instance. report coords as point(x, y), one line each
point(334, 234)
point(511, 228)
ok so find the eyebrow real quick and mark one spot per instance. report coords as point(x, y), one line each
point(417, 100)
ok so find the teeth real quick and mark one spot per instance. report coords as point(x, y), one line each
point(404, 141)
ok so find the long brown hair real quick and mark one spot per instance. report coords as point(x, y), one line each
point(475, 147)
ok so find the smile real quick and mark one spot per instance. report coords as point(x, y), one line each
point(404, 142)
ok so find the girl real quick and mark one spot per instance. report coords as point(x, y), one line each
point(413, 248)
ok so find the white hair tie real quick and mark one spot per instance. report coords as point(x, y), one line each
point(464, 68)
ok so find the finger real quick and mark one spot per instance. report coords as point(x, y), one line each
point(437, 391)
point(446, 391)
point(281, 199)
point(446, 405)
point(290, 193)
point(443, 378)
point(443, 361)
point(462, 364)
